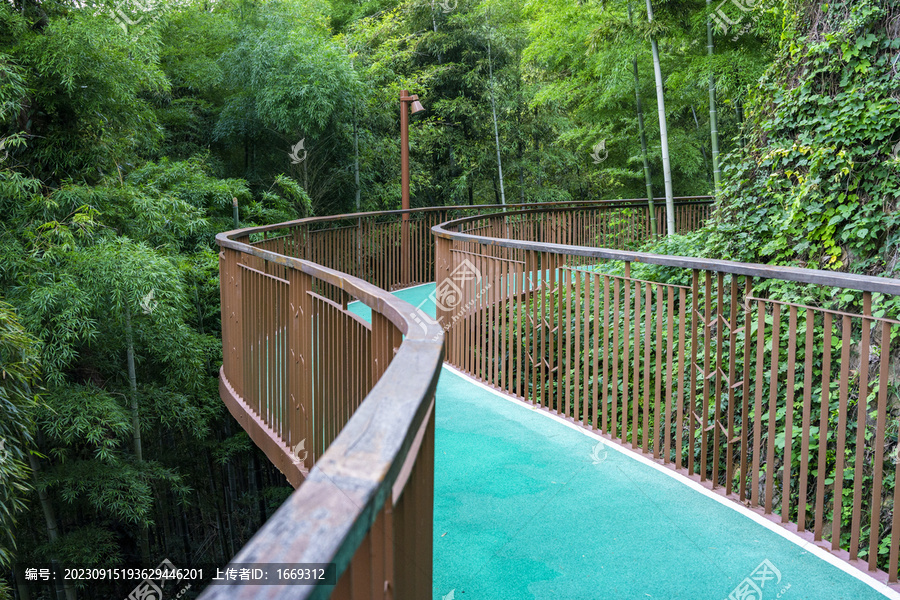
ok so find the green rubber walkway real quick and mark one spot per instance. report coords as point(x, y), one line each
point(527, 506)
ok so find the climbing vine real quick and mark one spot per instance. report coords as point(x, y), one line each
point(818, 180)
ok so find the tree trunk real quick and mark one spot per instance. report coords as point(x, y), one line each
point(521, 173)
point(435, 26)
point(220, 509)
point(256, 488)
point(356, 160)
point(232, 512)
point(713, 114)
point(702, 148)
point(135, 421)
point(132, 383)
point(496, 130)
point(246, 157)
point(23, 586)
point(49, 517)
point(663, 131)
point(644, 154)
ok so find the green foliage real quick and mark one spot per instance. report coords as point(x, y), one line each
point(591, 347)
point(121, 154)
point(87, 81)
point(819, 180)
point(19, 369)
point(91, 261)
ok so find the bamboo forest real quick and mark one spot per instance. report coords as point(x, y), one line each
point(487, 299)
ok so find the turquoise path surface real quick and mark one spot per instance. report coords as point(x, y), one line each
point(529, 507)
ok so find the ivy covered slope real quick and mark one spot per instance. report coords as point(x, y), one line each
point(818, 181)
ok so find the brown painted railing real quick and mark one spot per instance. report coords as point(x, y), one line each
point(297, 367)
point(787, 408)
point(320, 392)
point(369, 245)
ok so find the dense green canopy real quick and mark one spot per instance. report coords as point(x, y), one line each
point(127, 128)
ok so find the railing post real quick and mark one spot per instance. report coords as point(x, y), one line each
point(442, 269)
point(412, 518)
point(232, 326)
point(405, 251)
point(359, 248)
point(299, 380)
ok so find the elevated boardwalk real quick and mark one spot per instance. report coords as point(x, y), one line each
point(528, 505)
point(617, 424)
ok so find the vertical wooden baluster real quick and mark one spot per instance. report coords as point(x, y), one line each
point(614, 381)
point(843, 402)
point(730, 382)
point(626, 355)
point(645, 398)
point(878, 460)
point(716, 425)
point(802, 478)
point(586, 374)
point(679, 416)
point(757, 407)
point(862, 409)
point(708, 369)
point(598, 376)
point(745, 388)
point(787, 460)
point(559, 312)
point(670, 350)
point(772, 408)
point(823, 428)
point(692, 368)
point(566, 354)
point(657, 393)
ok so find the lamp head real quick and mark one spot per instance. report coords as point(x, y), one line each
point(417, 107)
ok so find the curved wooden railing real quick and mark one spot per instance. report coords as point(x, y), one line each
point(370, 246)
point(344, 406)
point(297, 367)
point(701, 364)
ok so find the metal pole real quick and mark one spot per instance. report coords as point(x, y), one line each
point(234, 210)
point(404, 185)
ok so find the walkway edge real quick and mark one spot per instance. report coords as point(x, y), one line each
point(808, 545)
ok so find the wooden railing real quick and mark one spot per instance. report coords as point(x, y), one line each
point(369, 245)
point(703, 365)
point(341, 405)
point(346, 407)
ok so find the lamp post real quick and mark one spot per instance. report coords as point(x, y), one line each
point(405, 101)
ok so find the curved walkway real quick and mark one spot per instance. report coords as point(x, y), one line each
point(528, 506)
